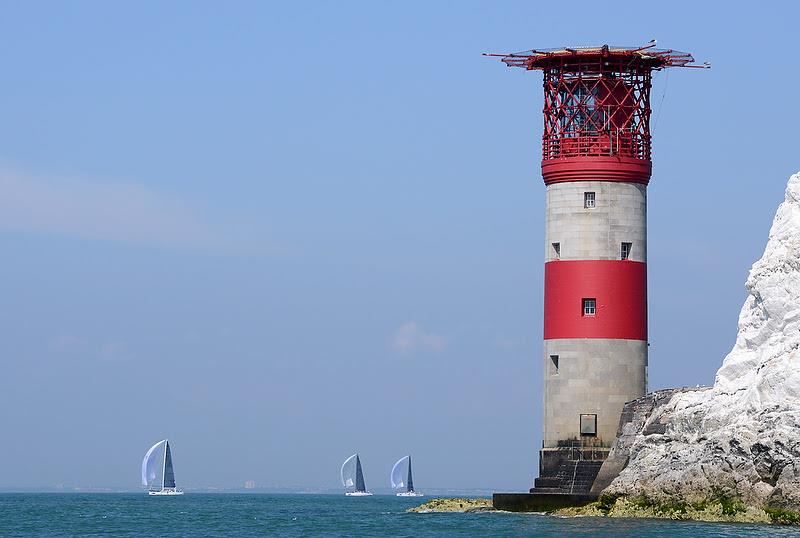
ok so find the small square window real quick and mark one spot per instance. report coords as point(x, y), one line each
point(589, 307)
point(589, 425)
point(625, 250)
point(554, 364)
point(557, 251)
point(588, 200)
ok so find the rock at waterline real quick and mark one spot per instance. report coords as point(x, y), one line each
point(454, 505)
point(736, 443)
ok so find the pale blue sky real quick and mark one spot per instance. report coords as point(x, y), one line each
point(279, 233)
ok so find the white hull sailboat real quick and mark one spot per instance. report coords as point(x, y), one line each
point(401, 478)
point(166, 492)
point(353, 478)
point(150, 467)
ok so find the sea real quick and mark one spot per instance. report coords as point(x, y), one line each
point(223, 514)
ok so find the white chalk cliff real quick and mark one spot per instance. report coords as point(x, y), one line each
point(740, 438)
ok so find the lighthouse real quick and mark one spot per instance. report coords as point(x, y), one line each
point(596, 165)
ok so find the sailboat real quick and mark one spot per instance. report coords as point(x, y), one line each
point(401, 479)
point(150, 466)
point(353, 477)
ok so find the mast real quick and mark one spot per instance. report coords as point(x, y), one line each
point(409, 482)
point(164, 465)
point(360, 486)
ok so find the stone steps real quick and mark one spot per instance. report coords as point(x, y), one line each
point(571, 477)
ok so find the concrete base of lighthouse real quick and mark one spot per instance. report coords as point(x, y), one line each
point(582, 377)
point(570, 469)
point(538, 502)
point(566, 476)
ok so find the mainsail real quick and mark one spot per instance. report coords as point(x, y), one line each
point(360, 486)
point(169, 473)
point(150, 464)
point(410, 483)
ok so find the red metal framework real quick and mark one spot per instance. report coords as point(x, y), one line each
point(597, 106)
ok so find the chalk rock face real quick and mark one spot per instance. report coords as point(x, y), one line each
point(740, 438)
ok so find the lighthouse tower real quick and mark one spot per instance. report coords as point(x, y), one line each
point(596, 166)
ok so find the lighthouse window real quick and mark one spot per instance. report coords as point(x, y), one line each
point(554, 362)
point(588, 200)
point(625, 250)
point(589, 425)
point(557, 251)
point(589, 307)
point(578, 115)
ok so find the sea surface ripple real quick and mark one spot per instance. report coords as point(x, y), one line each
point(221, 514)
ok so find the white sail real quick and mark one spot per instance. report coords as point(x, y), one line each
point(152, 463)
point(349, 472)
point(399, 473)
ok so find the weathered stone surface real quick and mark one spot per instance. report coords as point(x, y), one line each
point(738, 441)
point(640, 416)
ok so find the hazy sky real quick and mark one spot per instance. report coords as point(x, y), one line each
point(278, 233)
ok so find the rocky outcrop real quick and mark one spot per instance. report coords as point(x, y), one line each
point(738, 442)
point(641, 416)
point(712, 511)
point(453, 505)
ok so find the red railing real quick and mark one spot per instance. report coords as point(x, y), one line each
point(605, 145)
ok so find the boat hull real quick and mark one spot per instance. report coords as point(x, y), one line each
point(358, 494)
point(169, 492)
point(410, 494)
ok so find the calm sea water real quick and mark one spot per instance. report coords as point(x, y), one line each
point(125, 514)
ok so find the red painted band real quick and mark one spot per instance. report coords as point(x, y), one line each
point(596, 169)
point(619, 288)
